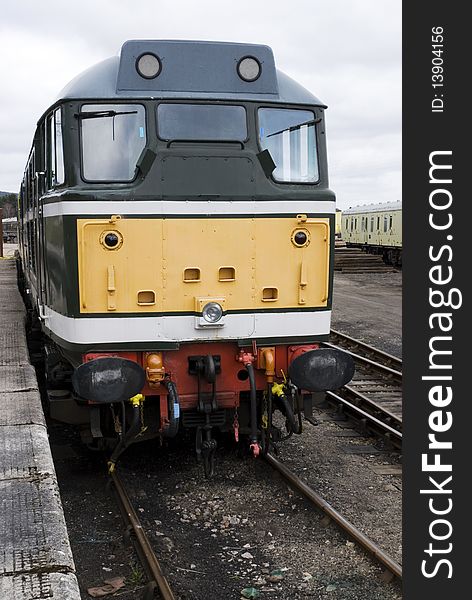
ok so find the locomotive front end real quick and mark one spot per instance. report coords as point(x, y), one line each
point(193, 238)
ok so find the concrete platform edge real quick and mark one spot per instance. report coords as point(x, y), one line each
point(35, 556)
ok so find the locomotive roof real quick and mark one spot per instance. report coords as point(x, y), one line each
point(194, 69)
point(372, 208)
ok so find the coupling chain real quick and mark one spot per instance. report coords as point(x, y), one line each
point(236, 424)
point(141, 412)
point(265, 413)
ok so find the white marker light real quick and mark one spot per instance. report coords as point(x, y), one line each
point(249, 68)
point(148, 66)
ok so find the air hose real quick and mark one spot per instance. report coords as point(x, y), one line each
point(253, 440)
point(173, 409)
point(286, 407)
point(127, 438)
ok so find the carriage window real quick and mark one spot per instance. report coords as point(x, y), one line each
point(371, 224)
point(201, 122)
point(290, 137)
point(385, 223)
point(112, 139)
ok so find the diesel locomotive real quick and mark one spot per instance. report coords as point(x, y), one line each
point(176, 246)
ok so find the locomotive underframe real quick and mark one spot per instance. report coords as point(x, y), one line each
point(391, 255)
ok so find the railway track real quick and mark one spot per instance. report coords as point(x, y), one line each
point(156, 579)
point(392, 568)
point(374, 396)
point(355, 260)
point(347, 342)
point(158, 585)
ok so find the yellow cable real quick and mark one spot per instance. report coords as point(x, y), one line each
point(137, 400)
point(278, 389)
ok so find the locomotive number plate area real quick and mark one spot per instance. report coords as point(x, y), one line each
point(157, 255)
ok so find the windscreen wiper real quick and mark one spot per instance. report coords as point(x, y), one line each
point(98, 114)
point(295, 127)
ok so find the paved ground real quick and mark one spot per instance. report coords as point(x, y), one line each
point(369, 307)
point(35, 555)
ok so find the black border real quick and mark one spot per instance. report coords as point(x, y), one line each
point(425, 132)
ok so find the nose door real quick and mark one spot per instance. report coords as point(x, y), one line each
point(208, 257)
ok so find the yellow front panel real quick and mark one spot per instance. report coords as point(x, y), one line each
point(165, 265)
point(208, 244)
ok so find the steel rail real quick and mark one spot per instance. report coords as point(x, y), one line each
point(368, 348)
point(392, 434)
point(143, 546)
point(371, 404)
point(371, 547)
point(361, 404)
point(397, 375)
point(364, 414)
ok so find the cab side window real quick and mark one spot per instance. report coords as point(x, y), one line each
point(54, 149)
point(58, 146)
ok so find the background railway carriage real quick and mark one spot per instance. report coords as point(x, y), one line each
point(377, 228)
point(177, 231)
point(10, 230)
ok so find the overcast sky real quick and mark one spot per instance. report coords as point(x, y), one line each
point(347, 52)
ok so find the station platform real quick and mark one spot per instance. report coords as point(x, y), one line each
point(36, 561)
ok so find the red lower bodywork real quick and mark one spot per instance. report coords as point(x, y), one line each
point(229, 383)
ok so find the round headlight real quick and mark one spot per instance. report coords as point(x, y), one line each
point(249, 68)
point(111, 240)
point(212, 312)
point(300, 238)
point(148, 66)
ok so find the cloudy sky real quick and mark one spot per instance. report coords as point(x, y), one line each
point(347, 52)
